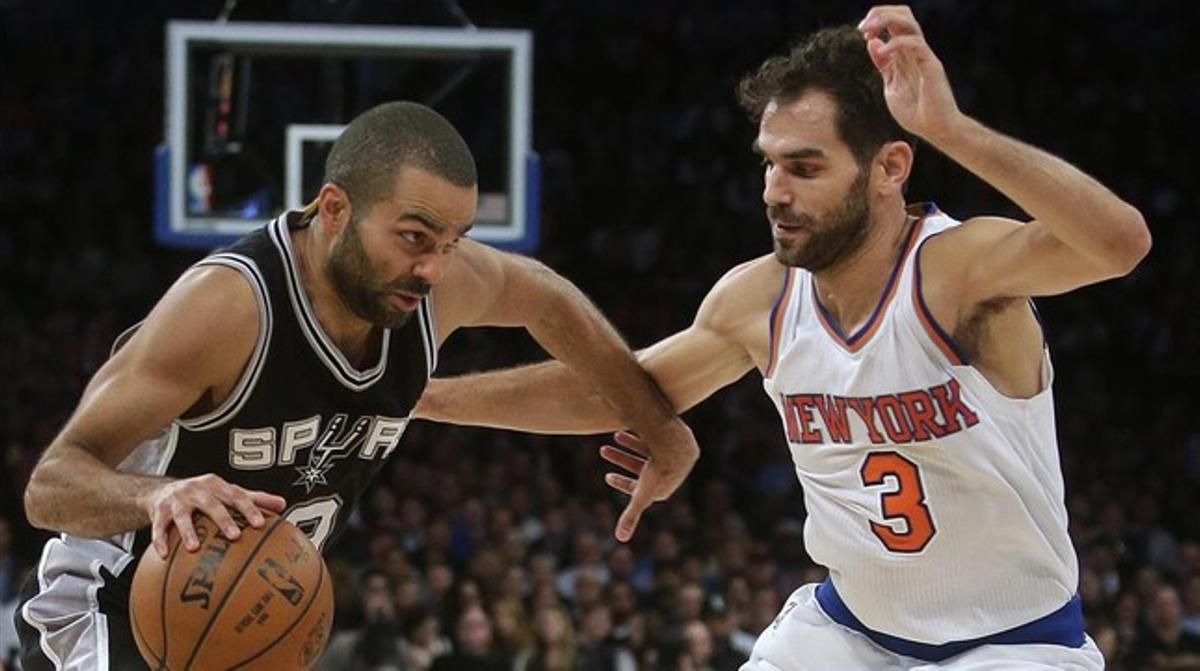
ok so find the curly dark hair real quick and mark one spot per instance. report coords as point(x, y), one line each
point(833, 60)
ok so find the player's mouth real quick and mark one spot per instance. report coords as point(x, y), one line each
point(785, 229)
point(404, 300)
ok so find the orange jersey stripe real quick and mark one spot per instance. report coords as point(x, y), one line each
point(856, 342)
point(932, 329)
point(777, 314)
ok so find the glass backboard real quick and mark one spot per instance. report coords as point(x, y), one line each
point(252, 109)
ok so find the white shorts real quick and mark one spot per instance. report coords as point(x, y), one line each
point(804, 638)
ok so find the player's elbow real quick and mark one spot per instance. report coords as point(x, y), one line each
point(33, 513)
point(48, 493)
point(1132, 244)
point(37, 511)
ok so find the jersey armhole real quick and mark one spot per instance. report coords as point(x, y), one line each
point(428, 324)
point(245, 384)
point(944, 342)
point(778, 316)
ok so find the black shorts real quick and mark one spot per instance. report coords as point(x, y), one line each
point(105, 642)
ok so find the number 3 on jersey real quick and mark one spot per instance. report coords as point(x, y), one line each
point(904, 506)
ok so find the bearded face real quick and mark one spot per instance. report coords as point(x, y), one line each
point(364, 289)
point(816, 243)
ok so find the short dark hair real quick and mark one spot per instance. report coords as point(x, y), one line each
point(371, 150)
point(833, 60)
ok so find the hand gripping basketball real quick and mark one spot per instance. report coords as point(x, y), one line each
point(261, 603)
point(176, 501)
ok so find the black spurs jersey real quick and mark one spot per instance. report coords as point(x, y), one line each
point(302, 422)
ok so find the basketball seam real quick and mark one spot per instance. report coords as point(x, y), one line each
point(162, 597)
point(160, 663)
point(299, 618)
point(225, 597)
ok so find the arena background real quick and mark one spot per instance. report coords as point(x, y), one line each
point(649, 194)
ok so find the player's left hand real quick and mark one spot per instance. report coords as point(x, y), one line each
point(914, 82)
point(651, 479)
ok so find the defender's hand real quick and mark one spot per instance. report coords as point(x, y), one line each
point(174, 503)
point(655, 477)
point(914, 82)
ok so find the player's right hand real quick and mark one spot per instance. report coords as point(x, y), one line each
point(915, 86)
point(655, 473)
point(175, 502)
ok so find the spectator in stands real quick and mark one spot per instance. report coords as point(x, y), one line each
point(1163, 644)
point(474, 646)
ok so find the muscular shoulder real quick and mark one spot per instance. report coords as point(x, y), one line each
point(972, 236)
point(991, 321)
point(950, 259)
point(477, 277)
point(191, 347)
point(204, 327)
point(743, 296)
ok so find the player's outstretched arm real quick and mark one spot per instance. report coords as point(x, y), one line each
point(552, 397)
point(1081, 233)
point(487, 287)
point(200, 334)
point(492, 288)
point(546, 397)
point(728, 337)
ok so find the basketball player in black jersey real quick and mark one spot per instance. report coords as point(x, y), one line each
point(279, 374)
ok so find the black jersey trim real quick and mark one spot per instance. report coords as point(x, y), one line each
point(425, 316)
point(124, 338)
point(326, 351)
point(249, 378)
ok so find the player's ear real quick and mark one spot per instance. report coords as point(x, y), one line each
point(333, 206)
point(893, 164)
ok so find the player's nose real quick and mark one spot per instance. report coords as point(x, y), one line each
point(430, 268)
point(775, 188)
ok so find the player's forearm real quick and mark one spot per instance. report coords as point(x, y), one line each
point(573, 331)
point(1074, 207)
point(71, 490)
point(546, 397)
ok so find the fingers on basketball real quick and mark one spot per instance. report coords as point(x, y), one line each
point(264, 601)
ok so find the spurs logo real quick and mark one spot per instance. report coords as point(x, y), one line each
point(369, 437)
point(330, 447)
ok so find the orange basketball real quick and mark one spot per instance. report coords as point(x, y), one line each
point(264, 601)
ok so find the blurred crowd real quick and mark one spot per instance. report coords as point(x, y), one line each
point(490, 550)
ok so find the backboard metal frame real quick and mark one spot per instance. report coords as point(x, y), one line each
point(297, 135)
point(173, 224)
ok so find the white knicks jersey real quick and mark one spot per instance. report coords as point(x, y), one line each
point(935, 501)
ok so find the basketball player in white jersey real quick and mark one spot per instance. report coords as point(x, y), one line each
point(905, 359)
point(279, 374)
